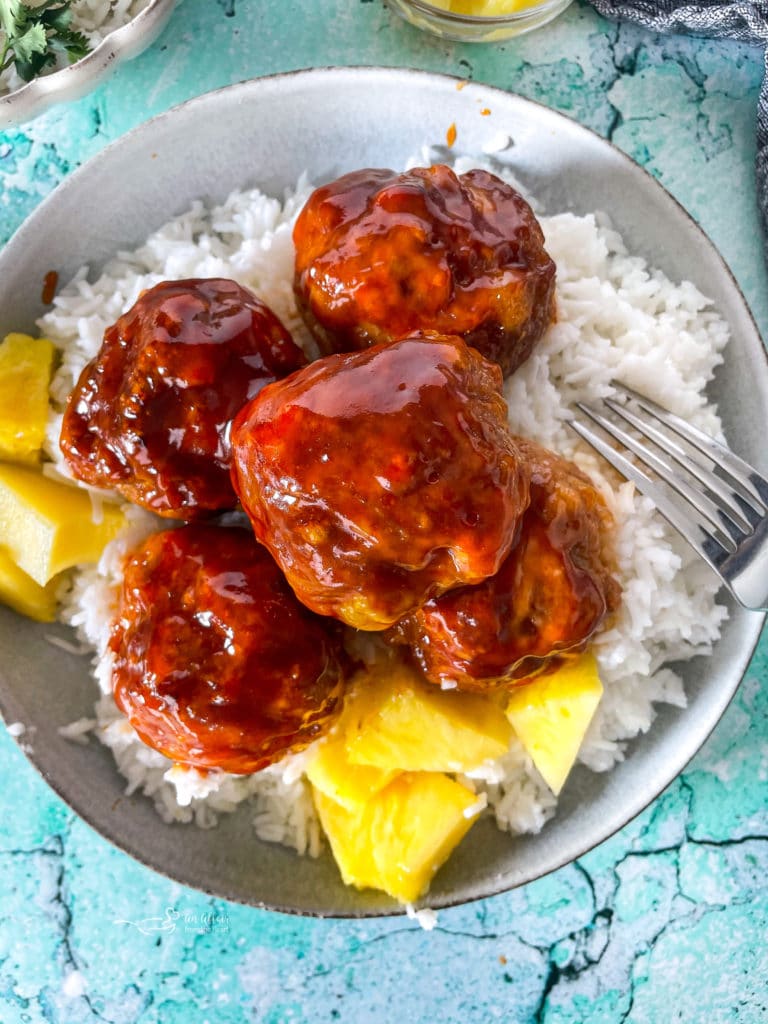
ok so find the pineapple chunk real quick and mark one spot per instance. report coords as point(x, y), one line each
point(402, 835)
point(331, 771)
point(551, 714)
point(350, 785)
point(21, 593)
point(48, 526)
point(25, 372)
point(395, 720)
point(484, 8)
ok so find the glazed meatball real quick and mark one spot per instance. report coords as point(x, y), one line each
point(549, 597)
point(380, 255)
point(150, 414)
point(382, 478)
point(216, 664)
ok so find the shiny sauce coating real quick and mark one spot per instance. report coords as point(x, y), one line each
point(150, 414)
point(551, 594)
point(216, 664)
point(380, 255)
point(382, 478)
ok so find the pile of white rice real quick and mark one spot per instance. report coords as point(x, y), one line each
point(616, 319)
point(95, 19)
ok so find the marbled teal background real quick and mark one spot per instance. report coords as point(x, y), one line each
point(667, 921)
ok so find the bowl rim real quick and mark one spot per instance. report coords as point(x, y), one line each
point(752, 629)
point(71, 82)
point(537, 8)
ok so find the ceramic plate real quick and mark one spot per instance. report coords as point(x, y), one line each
point(266, 133)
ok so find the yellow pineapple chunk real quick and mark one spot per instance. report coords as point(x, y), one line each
point(484, 8)
point(331, 771)
point(551, 714)
point(21, 593)
point(25, 372)
point(347, 784)
point(347, 830)
point(48, 526)
point(402, 835)
point(395, 720)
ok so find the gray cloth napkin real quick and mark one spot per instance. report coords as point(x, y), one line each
point(745, 20)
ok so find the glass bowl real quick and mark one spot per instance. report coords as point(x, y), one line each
point(470, 28)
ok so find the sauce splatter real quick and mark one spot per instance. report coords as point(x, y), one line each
point(50, 282)
point(450, 135)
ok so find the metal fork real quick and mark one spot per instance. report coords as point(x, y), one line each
point(715, 500)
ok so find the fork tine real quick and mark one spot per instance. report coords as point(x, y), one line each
point(751, 487)
point(726, 503)
point(706, 546)
point(706, 508)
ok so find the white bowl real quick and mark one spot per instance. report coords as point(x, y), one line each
point(72, 82)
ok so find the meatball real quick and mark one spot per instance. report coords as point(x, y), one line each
point(380, 255)
point(150, 414)
point(216, 664)
point(549, 597)
point(382, 478)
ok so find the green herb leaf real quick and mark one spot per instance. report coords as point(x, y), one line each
point(9, 16)
point(60, 19)
point(30, 37)
point(33, 41)
point(74, 43)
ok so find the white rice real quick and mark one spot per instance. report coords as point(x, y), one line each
point(95, 19)
point(616, 319)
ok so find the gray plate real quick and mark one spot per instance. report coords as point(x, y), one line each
point(266, 133)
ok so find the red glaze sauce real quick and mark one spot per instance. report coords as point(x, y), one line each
point(381, 478)
point(150, 415)
point(217, 665)
point(380, 255)
point(549, 597)
point(50, 284)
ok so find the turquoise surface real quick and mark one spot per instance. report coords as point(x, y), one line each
point(665, 921)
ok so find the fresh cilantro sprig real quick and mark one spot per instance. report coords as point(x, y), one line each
point(32, 37)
